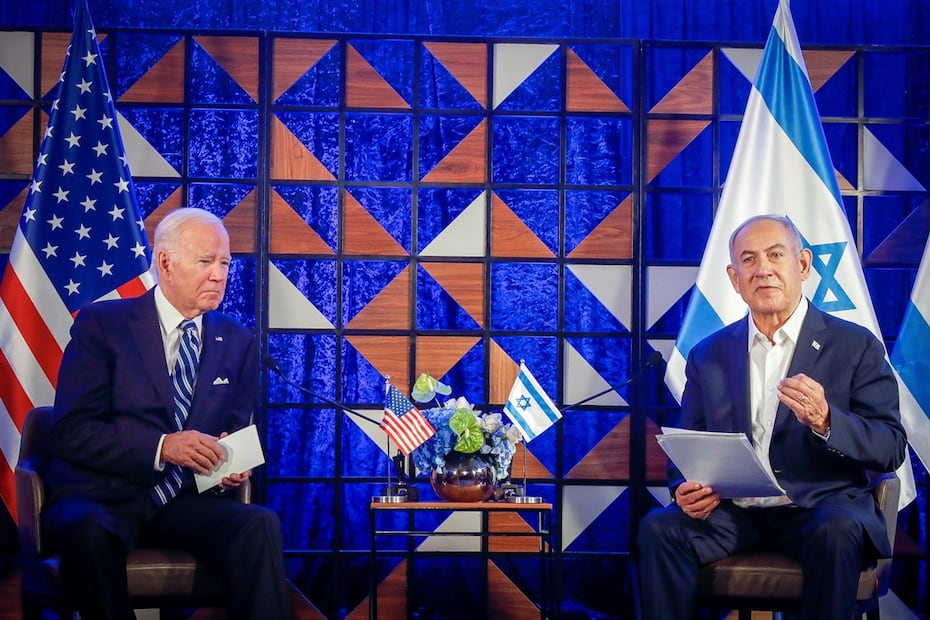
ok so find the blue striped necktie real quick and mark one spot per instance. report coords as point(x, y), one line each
point(183, 379)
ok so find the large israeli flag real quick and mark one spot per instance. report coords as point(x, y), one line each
point(912, 363)
point(781, 165)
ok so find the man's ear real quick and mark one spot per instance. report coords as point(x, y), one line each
point(805, 260)
point(731, 273)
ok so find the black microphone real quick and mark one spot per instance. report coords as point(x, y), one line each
point(272, 364)
point(654, 360)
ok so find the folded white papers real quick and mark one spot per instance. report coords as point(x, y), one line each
point(243, 452)
point(724, 461)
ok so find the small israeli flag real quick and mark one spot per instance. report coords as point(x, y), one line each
point(529, 407)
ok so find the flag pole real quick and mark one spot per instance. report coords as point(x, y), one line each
point(392, 493)
point(517, 495)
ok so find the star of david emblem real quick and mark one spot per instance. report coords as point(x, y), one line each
point(524, 403)
point(830, 295)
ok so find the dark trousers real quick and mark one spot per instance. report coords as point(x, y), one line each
point(828, 542)
point(240, 542)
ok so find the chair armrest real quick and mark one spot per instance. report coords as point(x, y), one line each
point(244, 492)
point(887, 490)
point(30, 496)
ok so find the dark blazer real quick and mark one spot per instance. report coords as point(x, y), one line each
point(865, 428)
point(114, 396)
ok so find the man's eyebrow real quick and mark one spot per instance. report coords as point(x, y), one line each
point(774, 246)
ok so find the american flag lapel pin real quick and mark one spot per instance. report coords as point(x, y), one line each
point(219, 338)
point(815, 345)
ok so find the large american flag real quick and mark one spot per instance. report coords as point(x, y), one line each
point(403, 422)
point(81, 238)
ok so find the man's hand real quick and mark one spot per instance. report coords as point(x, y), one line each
point(805, 397)
point(695, 500)
point(233, 480)
point(197, 451)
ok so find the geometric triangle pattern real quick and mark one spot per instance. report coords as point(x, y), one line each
point(398, 205)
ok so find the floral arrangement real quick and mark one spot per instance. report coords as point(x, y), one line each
point(461, 428)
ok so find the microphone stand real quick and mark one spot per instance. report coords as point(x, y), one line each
point(392, 493)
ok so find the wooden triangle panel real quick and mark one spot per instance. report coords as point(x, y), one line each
point(467, 162)
point(292, 59)
point(388, 354)
point(238, 56)
point(468, 63)
point(502, 373)
point(54, 47)
point(505, 600)
point(10, 216)
point(465, 284)
point(843, 182)
point(510, 237)
point(694, 92)
point(365, 88)
point(16, 147)
point(172, 202)
point(612, 238)
point(586, 91)
point(609, 459)
point(363, 234)
point(656, 460)
point(163, 83)
point(667, 139)
point(508, 523)
point(534, 468)
point(290, 234)
point(291, 160)
point(390, 309)
point(241, 223)
point(437, 354)
point(823, 64)
point(392, 596)
point(905, 245)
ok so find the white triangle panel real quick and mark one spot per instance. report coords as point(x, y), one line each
point(17, 55)
point(581, 380)
point(662, 495)
point(746, 60)
point(582, 505)
point(459, 521)
point(465, 235)
point(611, 285)
point(893, 608)
point(666, 286)
point(287, 307)
point(513, 63)
point(882, 170)
point(665, 347)
point(144, 159)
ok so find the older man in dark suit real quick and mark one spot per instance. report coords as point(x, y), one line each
point(131, 433)
point(820, 404)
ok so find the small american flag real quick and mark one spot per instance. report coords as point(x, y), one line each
point(81, 238)
point(403, 422)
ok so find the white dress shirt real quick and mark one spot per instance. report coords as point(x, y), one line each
point(768, 365)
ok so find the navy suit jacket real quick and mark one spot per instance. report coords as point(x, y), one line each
point(114, 398)
point(865, 428)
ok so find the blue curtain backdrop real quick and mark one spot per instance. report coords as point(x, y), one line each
point(345, 143)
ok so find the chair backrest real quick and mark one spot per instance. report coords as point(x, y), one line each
point(34, 447)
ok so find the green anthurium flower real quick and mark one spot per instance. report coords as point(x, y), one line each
point(425, 388)
point(466, 426)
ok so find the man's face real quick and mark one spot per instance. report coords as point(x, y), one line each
point(193, 277)
point(768, 270)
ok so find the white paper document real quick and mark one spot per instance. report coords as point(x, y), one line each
point(243, 452)
point(724, 461)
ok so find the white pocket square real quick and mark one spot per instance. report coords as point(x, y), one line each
point(221, 381)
